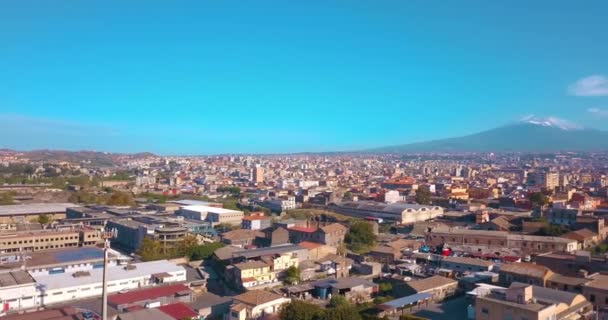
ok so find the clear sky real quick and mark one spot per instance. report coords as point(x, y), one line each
point(228, 76)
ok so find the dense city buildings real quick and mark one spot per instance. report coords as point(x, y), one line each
point(511, 236)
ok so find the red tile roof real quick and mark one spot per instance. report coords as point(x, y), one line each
point(178, 311)
point(309, 245)
point(146, 294)
point(303, 229)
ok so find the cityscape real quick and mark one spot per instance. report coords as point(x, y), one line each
point(266, 160)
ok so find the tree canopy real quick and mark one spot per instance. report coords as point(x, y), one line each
point(292, 275)
point(340, 309)
point(360, 237)
point(423, 195)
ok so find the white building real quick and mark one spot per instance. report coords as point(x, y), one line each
point(280, 204)
point(17, 291)
point(211, 214)
point(58, 288)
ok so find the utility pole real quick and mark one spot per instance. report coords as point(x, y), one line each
point(106, 235)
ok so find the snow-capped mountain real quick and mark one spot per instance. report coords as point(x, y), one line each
point(531, 134)
point(551, 122)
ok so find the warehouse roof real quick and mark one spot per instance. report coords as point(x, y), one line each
point(34, 208)
point(144, 269)
point(147, 294)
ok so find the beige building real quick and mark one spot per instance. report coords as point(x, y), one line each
point(499, 239)
point(29, 241)
point(438, 286)
point(596, 291)
point(258, 175)
point(255, 304)
point(523, 301)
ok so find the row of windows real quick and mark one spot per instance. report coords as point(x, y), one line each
point(39, 240)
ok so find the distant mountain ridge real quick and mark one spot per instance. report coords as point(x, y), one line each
point(93, 157)
point(529, 135)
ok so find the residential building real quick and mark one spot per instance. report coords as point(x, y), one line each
point(463, 264)
point(596, 290)
point(525, 273)
point(439, 287)
point(256, 221)
point(331, 234)
point(255, 304)
point(524, 301)
point(576, 264)
point(252, 274)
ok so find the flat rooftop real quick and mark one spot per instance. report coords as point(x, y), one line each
point(15, 278)
point(216, 210)
point(144, 269)
point(34, 208)
point(62, 257)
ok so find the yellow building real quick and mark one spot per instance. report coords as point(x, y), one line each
point(254, 273)
point(282, 262)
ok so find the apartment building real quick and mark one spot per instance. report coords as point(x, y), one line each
point(252, 274)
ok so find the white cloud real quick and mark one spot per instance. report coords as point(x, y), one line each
point(598, 112)
point(595, 85)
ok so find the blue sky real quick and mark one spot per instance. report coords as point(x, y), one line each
point(207, 76)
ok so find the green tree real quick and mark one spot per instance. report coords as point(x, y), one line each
point(292, 275)
point(82, 196)
point(119, 198)
point(423, 195)
point(539, 199)
point(203, 252)
point(186, 246)
point(301, 310)
point(360, 237)
point(337, 301)
point(342, 312)
point(385, 287)
point(43, 219)
point(150, 250)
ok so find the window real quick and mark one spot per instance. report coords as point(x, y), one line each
point(485, 311)
point(592, 298)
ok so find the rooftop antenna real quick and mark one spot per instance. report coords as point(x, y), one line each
point(106, 235)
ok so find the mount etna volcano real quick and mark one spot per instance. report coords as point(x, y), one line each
point(530, 135)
